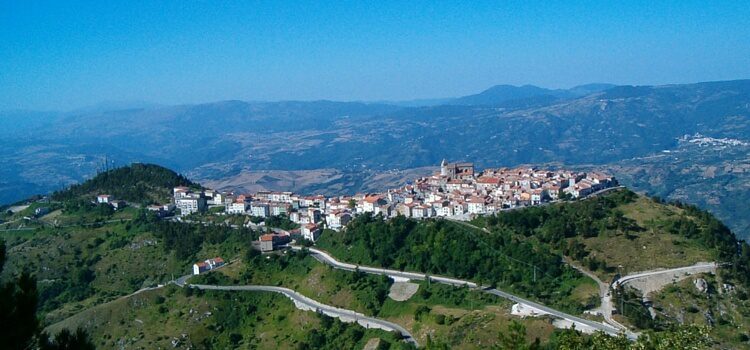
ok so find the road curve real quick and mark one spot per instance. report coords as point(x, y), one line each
point(689, 270)
point(306, 303)
point(606, 306)
point(328, 259)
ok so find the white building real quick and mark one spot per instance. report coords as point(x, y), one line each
point(371, 204)
point(338, 220)
point(207, 265)
point(310, 232)
point(476, 205)
point(190, 205)
point(237, 208)
point(259, 209)
point(279, 209)
point(180, 192)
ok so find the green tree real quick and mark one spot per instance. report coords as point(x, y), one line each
point(515, 338)
point(18, 301)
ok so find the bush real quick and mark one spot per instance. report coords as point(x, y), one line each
point(420, 311)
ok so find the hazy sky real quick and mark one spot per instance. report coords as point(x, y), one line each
point(67, 54)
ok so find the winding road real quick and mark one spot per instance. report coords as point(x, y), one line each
point(606, 306)
point(581, 322)
point(305, 303)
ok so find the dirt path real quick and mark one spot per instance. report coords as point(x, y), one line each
point(605, 308)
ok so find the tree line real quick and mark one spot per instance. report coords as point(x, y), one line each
point(445, 248)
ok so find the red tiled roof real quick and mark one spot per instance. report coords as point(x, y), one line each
point(372, 199)
point(488, 180)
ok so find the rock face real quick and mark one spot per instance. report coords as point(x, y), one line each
point(401, 291)
point(701, 285)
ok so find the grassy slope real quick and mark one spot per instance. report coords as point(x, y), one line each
point(122, 257)
point(153, 319)
point(650, 248)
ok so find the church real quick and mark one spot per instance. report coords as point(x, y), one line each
point(457, 170)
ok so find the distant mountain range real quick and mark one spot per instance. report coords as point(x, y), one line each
point(617, 127)
point(529, 95)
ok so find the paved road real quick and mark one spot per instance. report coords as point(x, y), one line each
point(688, 270)
point(328, 259)
point(306, 303)
point(604, 294)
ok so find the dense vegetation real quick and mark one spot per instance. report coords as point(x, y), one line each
point(184, 241)
point(686, 337)
point(20, 326)
point(700, 225)
point(280, 221)
point(551, 224)
point(334, 334)
point(446, 248)
point(137, 183)
point(560, 228)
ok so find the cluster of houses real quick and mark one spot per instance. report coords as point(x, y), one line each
point(108, 199)
point(457, 191)
point(207, 265)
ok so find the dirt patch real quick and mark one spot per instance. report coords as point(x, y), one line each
point(401, 291)
point(17, 208)
point(657, 282)
point(372, 344)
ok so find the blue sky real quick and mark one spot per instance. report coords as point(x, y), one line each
point(68, 54)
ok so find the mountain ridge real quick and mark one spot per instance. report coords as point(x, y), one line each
point(217, 141)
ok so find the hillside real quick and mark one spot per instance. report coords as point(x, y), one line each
point(137, 183)
point(612, 235)
point(86, 269)
point(175, 318)
point(712, 173)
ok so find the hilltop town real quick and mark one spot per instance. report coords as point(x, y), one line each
point(456, 192)
point(220, 235)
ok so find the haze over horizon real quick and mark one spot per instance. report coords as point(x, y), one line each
point(57, 56)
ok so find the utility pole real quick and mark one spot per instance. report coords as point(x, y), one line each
point(534, 273)
point(622, 293)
